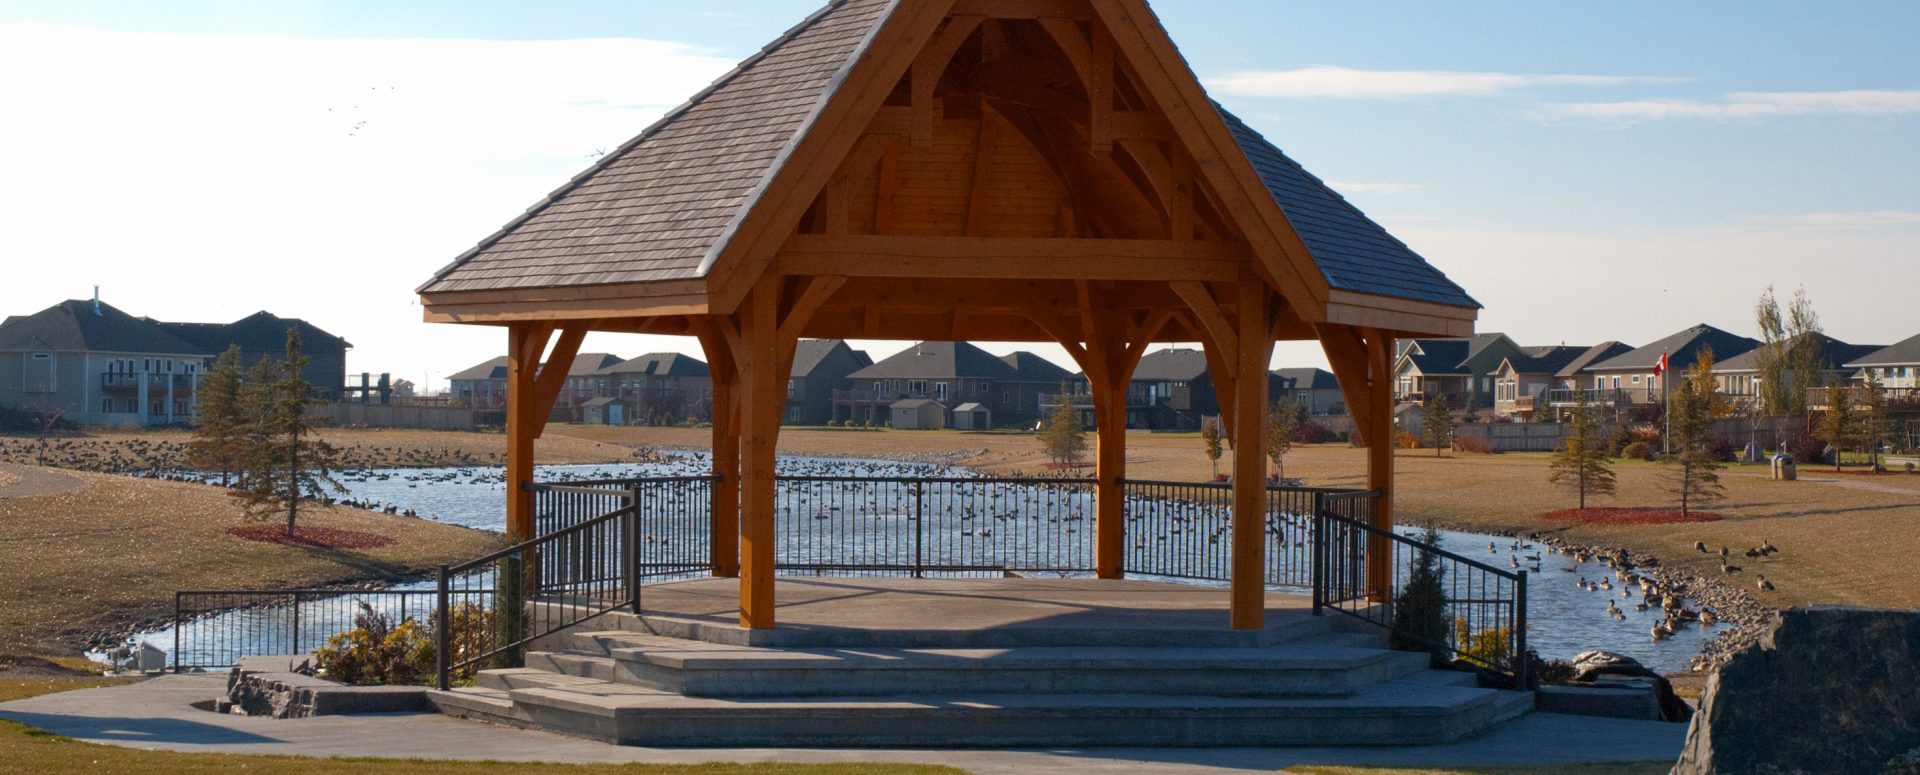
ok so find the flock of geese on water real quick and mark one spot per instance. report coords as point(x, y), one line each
point(1669, 598)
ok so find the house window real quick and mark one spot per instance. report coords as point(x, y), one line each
point(1636, 379)
point(918, 387)
point(940, 391)
point(106, 406)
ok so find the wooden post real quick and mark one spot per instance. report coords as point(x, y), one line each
point(1110, 468)
point(525, 343)
point(760, 402)
point(724, 503)
point(1380, 459)
point(1248, 577)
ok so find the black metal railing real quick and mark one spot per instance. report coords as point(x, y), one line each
point(216, 628)
point(873, 526)
point(571, 575)
point(1485, 606)
point(1184, 530)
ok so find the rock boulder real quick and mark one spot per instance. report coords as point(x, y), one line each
point(1826, 690)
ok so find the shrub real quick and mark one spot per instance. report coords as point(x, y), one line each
point(377, 652)
point(1722, 448)
point(1311, 432)
point(1638, 450)
point(1647, 436)
point(1622, 436)
point(1407, 441)
point(1420, 621)
point(1807, 448)
point(1488, 648)
point(1474, 444)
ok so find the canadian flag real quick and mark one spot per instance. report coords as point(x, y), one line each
point(1660, 366)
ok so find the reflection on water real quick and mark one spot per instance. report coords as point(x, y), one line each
point(1565, 619)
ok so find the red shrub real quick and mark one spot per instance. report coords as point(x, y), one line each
point(1474, 444)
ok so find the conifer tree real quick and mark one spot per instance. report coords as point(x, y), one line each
point(1420, 620)
point(1437, 427)
point(1063, 435)
point(220, 440)
point(1873, 418)
point(1695, 469)
point(1581, 465)
point(290, 462)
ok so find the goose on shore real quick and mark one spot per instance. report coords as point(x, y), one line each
point(1701, 545)
point(1762, 582)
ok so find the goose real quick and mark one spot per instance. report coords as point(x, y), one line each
point(1728, 569)
point(1660, 631)
point(1763, 583)
point(1768, 547)
point(1753, 553)
point(1708, 617)
point(1701, 545)
point(1724, 554)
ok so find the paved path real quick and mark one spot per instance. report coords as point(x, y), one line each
point(24, 481)
point(155, 714)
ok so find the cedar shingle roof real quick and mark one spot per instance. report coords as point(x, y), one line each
point(1354, 253)
point(659, 207)
point(662, 207)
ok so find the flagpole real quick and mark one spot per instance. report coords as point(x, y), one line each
point(1666, 393)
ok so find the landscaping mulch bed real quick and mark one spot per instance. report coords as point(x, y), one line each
point(311, 537)
point(1622, 516)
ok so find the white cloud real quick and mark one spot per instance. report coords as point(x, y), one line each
point(1748, 105)
point(1374, 188)
point(1326, 81)
point(205, 178)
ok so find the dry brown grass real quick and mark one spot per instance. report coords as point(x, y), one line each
point(1851, 540)
point(360, 448)
point(8, 480)
point(111, 553)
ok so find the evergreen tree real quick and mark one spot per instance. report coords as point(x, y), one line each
point(1696, 470)
point(220, 440)
point(1420, 621)
point(1841, 425)
point(1210, 435)
point(1873, 418)
point(1581, 465)
point(290, 462)
point(1063, 435)
point(1437, 426)
point(1283, 419)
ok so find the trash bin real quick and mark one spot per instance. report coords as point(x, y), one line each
point(1784, 469)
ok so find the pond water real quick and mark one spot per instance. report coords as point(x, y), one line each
point(1565, 617)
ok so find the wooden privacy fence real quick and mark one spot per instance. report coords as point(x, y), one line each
point(431, 418)
point(1545, 437)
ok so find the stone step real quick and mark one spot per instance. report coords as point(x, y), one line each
point(1282, 626)
point(1401, 712)
point(1331, 665)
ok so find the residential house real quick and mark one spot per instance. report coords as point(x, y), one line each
point(1740, 380)
point(1897, 366)
point(1522, 385)
point(951, 373)
point(484, 386)
point(1170, 391)
point(1627, 380)
point(1316, 389)
point(1458, 370)
point(656, 389)
point(263, 336)
point(98, 365)
point(820, 367)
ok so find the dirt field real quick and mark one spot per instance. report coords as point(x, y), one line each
point(111, 552)
point(1843, 538)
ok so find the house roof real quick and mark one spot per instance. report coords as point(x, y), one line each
point(972, 406)
point(1028, 367)
point(1906, 353)
point(811, 352)
point(584, 364)
point(1177, 364)
point(1680, 347)
point(660, 365)
point(595, 403)
point(664, 205)
point(259, 332)
point(1593, 355)
point(1834, 354)
point(1438, 357)
point(1308, 379)
point(1550, 359)
point(960, 360)
point(1353, 251)
point(73, 326)
point(914, 403)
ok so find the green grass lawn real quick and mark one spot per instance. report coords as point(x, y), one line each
point(24, 749)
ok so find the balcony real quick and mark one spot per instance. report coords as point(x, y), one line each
point(884, 396)
point(1602, 397)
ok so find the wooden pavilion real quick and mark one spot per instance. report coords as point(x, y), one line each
point(997, 170)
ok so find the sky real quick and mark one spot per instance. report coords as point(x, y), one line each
point(1589, 172)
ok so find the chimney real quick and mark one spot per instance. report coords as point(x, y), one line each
point(96, 301)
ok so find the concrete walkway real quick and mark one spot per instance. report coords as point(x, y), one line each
point(28, 481)
point(156, 714)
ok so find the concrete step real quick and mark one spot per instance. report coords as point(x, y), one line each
point(1409, 711)
point(1281, 627)
point(1330, 665)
